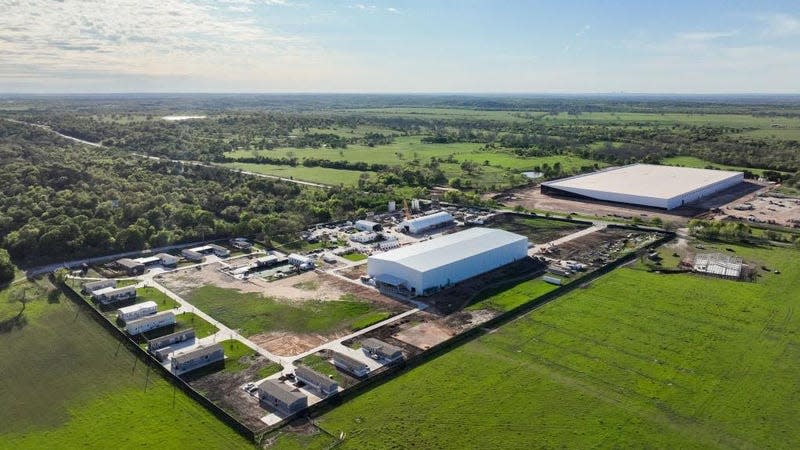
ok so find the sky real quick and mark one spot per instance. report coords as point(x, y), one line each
point(399, 46)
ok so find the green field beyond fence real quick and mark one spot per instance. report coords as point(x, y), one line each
point(635, 360)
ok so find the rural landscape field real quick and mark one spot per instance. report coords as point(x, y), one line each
point(319, 225)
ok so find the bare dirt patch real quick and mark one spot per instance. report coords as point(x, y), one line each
point(224, 389)
point(424, 335)
point(765, 209)
point(532, 198)
point(183, 282)
point(284, 343)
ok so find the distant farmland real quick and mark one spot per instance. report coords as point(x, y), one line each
point(636, 360)
point(66, 383)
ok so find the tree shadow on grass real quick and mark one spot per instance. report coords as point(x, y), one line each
point(19, 321)
point(54, 297)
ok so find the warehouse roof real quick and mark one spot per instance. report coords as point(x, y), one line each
point(645, 180)
point(280, 391)
point(429, 220)
point(438, 252)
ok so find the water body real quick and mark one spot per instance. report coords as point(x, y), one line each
point(176, 118)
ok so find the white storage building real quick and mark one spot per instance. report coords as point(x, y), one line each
point(367, 225)
point(425, 223)
point(426, 267)
point(665, 187)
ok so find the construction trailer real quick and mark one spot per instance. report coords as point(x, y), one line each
point(377, 349)
point(137, 311)
point(88, 288)
point(110, 295)
point(160, 346)
point(150, 323)
point(130, 266)
point(301, 262)
point(193, 256)
point(350, 364)
point(278, 396)
point(316, 381)
point(185, 361)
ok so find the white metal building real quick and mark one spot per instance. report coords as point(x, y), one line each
point(428, 266)
point(137, 311)
point(665, 187)
point(367, 225)
point(425, 223)
point(303, 262)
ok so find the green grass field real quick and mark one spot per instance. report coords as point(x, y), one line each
point(691, 161)
point(252, 313)
point(635, 360)
point(506, 298)
point(190, 320)
point(320, 175)
point(66, 383)
point(355, 256)
point(145, 294)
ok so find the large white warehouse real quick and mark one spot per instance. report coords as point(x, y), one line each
point(665, 187)
point(426, 267)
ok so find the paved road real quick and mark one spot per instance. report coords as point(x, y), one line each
point(182, 161)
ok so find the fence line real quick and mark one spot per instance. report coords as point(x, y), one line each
point(148, 359)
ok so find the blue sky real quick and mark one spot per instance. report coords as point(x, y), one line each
point(399, 46)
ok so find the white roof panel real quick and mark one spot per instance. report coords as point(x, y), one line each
point(646, 180)
point(444, 250)
point(137, 307)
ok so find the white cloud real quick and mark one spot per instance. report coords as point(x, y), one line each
point(583, 30)
point(704, 36)
point(148, 38)
point(780, 25)
point(392, 10)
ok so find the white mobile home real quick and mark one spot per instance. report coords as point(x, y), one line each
point(137, 311)
point(150, 323)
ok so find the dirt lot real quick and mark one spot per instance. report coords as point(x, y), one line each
point(284, 343)
point(224, 389)
point(183, 282)
point(765, 209)
point(425, 335)
point(598, 248)
point(532, 198)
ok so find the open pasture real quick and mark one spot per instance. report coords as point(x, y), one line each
point(66, 383)
point(636, 359)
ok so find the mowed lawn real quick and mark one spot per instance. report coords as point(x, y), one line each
point(66, 383)
point(635, 360)
point(252, 313)
point(321, 175)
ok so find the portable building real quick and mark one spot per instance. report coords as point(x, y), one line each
point(137, 311)
point(279, 396)
point(185, 361)
point(150, 323)
point(88, 288)
point(130, 266)
point(350, 364)
point(109, 295)
point(316, 381)
point(378, 349)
